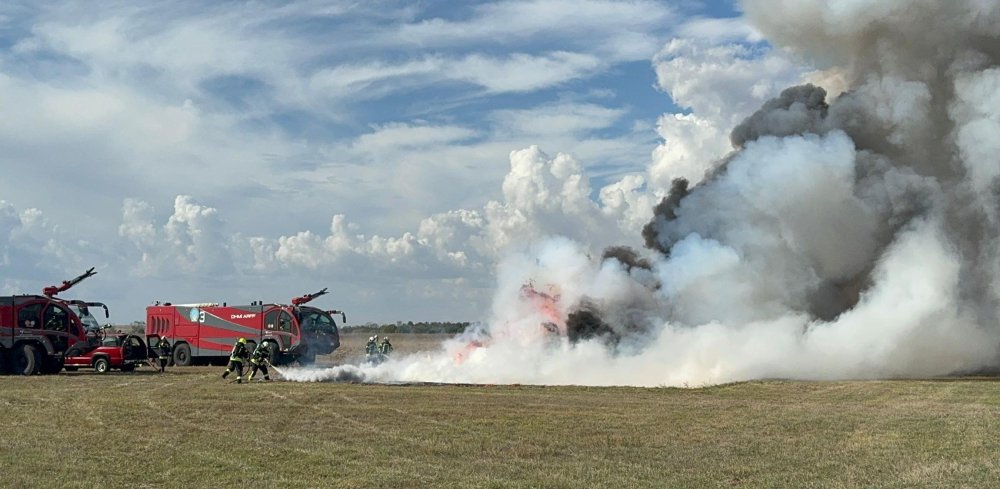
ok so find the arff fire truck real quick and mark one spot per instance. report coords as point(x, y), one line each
point(37, 330)
point(205, 333)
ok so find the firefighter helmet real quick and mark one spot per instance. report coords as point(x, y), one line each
point(243, 340)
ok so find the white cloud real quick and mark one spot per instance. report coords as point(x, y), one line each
point(721, 84)
point(719, 30)
point(401, 136)
point(34, 252)
point(601, 24)
point(193, 241)
point(523, 72)
point(555, 120)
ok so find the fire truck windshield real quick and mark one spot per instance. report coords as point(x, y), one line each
point(89, 321)
point(316, 321)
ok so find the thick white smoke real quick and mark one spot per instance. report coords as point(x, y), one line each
point(847, 235)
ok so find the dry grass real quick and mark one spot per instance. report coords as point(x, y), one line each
point(188, 428)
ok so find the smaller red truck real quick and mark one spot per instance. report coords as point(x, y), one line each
point(118, 351)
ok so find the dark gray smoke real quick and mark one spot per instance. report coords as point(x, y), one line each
point(905, 117)
point(663, 213)
point(798, 110)
point(627, 257)
point(585, 323)
point(822, 193)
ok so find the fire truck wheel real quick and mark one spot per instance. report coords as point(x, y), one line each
point(51, 366)
point(307, 358)
point(26, 360)
point(273, 355)
point(101, 365)
point(182, 355)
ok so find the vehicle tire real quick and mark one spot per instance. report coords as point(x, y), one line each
point(128, 368)
point(273, 354)
point(3, 361)
point(102, 365)
point(306, 359)
point(182, 355)
point(25, 360)
point(51, 366)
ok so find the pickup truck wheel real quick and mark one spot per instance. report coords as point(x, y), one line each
point(101, 365)
point(182, 355)
point(26, 360)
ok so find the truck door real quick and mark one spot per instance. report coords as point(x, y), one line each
point(56, 322)
point(278, 324)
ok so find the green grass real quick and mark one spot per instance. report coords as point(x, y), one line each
point(189, 428)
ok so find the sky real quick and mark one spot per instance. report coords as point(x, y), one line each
point(393, 152)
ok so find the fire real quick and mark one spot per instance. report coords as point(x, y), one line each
point(547, 305)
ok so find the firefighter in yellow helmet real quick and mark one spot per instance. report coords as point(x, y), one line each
point(236, 358)
point(259, 360)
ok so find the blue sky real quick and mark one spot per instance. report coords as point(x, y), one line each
point(392, 151)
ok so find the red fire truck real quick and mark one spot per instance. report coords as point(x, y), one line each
point(36, 330)
point(204, 333)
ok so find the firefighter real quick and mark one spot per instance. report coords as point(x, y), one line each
point(163, 348)
point(386, 348)
point(372, 347)
point(236, 358)
point(258, 360)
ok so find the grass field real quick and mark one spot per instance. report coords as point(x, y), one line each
point(189, 428)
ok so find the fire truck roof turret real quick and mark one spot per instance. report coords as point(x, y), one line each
point(298, 301)
point(52, 290)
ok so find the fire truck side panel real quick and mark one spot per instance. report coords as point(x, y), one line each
point(211, 330)
point(221, 326)
point(6, 322)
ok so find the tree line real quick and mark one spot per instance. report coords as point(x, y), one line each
point(400, 327)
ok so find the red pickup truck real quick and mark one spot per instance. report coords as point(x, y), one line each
point(115, 351)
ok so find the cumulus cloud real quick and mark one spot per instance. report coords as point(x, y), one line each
point(719, 84)
point(34, 252)
point(193, 241)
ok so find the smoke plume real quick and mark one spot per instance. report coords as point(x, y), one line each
point(849, 234)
